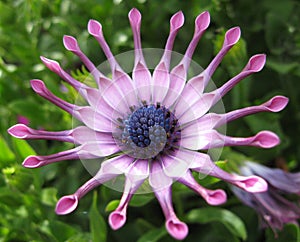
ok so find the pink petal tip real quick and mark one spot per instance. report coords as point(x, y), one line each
point(66, 204)
point(94, 28)
point(51, 64)
point(202, 21)
point(38, 86)
point(135, 16)
point(19, 131)
point(70, 43)
point(253, 184)
point(177, 21)
point(177, 229)
point(116, 220)
point(232, 36)
point(266, 139)
point(256, 63)
point(277, 103)
point(32, 162)
point(216, 197)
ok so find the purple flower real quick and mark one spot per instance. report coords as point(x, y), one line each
point(274, 209)
point(151, 126)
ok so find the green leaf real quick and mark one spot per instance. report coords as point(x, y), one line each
point(207, 215)
point(61, 231)
point(289, 233)
point(153, 235)
point(23, 148)
point(48, 196)
point(139, 200)
point(97, 223)
point(6, 155)
point(112, 205)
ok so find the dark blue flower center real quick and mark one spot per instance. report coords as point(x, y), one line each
point(149, 131)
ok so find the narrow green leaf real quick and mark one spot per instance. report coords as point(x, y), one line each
point(61, 231)
point(207, 215)
point(289, 233)
point(6, 155)
point(153, 235)
point(23, 148)
point(97, 223)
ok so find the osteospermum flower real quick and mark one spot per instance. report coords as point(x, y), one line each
point(151, 126)
point(273, 207)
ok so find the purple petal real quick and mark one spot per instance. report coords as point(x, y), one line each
point(142, 80)
point(158, 179)
point(174, 167)
point(71, 44)
point(95, 120)
point(216, 197)
point(135, 21)
point(275, 104)
point(39, 87)
point(201, 24)
point(231, 38)
point(212, 139)
point(95, 29)
point(280, 179)
point(195, 111)
point(127, 88)
point(99, 149)
point(66, 204)
point(177, 83)
point(174, 226)
point(109, 170)
point(206, 122)
point(192, 92)
point(255, 64)
point(135, 176)
point(21, 131)
point(160, 83)
point(38, 161)
point(176, 22)
point(55, 67)
point(83, 134)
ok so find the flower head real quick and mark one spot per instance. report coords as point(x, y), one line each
point(151, 126)
point(274, 209)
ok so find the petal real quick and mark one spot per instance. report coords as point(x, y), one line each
point(135, 21)
point(160, 83)
point(212, 139)
point(126, 87)
point(71, 44)
point(177, 83)
point(174, 226)
point(158, 179)
point(142, 80)
point(191, 93)
point(231, 38)
point(95, 29)
point(39, 87)
point(68, 203)
point(176, 22)
point(38, 161)
point(95, 120)
point(212, 197)
point(83, 134)
point(202, 163)
point(174, 167)
point(136, 175)
point(22, 131)
point(255, 64)
point(201, 24)
point(195, 111)
point(275, 104)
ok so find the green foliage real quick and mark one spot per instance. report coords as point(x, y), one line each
point(29, 29)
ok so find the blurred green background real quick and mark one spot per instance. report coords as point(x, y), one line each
point(31, 28)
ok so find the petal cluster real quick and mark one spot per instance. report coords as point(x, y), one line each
point(274, 209)
point(115, 98)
